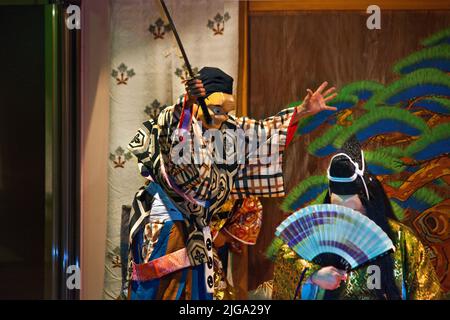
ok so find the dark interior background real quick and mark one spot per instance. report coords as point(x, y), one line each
point(22, 152)
point(292, 51)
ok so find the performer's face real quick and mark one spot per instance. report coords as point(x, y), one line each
point(219, 105)
point(351, 201)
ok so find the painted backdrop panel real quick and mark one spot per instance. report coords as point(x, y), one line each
point(290, 52)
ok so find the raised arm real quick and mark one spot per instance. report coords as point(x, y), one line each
point(287, 119)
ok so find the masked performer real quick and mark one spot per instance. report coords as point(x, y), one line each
point(170, 229)
point(406, 273)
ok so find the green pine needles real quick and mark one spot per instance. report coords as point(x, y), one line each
point(432, 53)
point(301, 189)
point(437, 38)
point(378, 114)
point(427, 76)
point(438, 133)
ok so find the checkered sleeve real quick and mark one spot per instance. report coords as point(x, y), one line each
point(262, 175)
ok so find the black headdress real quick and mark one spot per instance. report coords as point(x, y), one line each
point(347, 171)
point(215, 80)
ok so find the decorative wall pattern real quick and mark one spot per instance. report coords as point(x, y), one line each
point(147, 74)
point(286, 58)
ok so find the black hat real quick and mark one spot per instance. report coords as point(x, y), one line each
point(347, 172)
point(215, 80)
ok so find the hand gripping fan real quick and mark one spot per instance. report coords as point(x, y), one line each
point(333, 235)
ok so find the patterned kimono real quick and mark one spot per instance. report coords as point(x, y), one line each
point(195, 193)
point(413, 272)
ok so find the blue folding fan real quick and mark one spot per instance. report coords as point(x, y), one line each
point(329, 234)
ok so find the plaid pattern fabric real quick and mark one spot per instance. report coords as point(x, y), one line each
point(257, 178)
point(199, 190)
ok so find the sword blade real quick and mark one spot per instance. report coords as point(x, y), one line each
point(200, 100)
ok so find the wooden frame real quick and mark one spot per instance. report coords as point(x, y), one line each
point(239, 262)
point(62, 54)
point(242, 94)
point(95, 75)
point(299, 5)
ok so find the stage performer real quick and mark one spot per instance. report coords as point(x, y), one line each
point(405, 274)
point(193, 168)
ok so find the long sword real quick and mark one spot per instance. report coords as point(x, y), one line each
point(200, 100)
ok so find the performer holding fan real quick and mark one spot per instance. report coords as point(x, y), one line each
point(325, 251)
point(334, 235)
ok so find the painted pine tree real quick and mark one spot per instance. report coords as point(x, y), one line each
point(404, 129)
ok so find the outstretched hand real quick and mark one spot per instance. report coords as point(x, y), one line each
point(316, 102)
